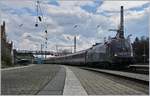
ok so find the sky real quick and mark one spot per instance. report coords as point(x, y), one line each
point(88, 20)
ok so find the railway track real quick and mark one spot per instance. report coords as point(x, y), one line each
point(142, 78)
point(141, 69)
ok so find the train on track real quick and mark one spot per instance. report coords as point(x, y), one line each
point(117, 52)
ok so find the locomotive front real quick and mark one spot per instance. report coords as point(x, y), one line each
point(121, 51)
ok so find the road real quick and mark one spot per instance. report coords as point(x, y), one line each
point(50, 79)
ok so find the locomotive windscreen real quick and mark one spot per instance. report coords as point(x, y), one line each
point(121, 47)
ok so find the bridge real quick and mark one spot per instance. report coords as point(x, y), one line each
point(37, 52)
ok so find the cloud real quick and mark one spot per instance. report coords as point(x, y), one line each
point(75, 3)
point(135, 22)
point(87, 24)
point(27, 44)
point(113, 6)
point(18, 7)
point(61, 17)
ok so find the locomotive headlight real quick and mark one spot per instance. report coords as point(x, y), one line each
point(131, 53)
point(115, 54)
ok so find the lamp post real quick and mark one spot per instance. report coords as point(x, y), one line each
point(74, 44)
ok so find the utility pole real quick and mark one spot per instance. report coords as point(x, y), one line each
point(41, 52)
point(121, 23)
point(75, 40)
point(144, 55)
point(45, 54)
point(41, 48)
point(57, 49)
point(74, 44)
point(45, 48)
point(46, 39)
point(120, 30)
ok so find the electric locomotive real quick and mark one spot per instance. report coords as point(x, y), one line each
point(114, 53)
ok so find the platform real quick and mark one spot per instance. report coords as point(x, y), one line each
point(50, 79)
point(136, 76)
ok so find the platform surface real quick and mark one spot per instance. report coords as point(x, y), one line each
point(27, 80)
point(141, 77)
point(50, 79)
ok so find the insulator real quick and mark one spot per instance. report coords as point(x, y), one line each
point(40, 19)
point(75, 26)
point(98, 26)
point(20, 25)
point(45, 31)
point(36, 25)
point(38, 2)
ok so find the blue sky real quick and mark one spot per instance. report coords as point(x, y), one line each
point(60, 17)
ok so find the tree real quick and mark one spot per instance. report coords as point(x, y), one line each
point(141, 49)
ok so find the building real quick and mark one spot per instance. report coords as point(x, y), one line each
point(6, 48)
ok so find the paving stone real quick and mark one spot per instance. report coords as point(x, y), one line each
point(28, 80)
point(56, 85)
point(97, 84)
